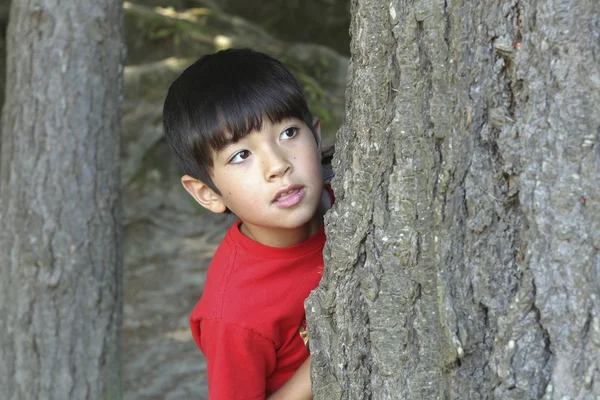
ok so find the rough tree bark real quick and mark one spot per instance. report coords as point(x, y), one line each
point(60, 234)
point(463, 251)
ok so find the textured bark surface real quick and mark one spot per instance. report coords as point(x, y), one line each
point(463, 251)
point(60, 211)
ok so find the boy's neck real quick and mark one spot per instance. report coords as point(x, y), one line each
point(283, 237)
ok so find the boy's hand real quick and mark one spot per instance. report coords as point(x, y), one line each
point(297, 387)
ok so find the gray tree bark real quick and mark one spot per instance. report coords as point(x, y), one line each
point(60, 208)
point(463, 250)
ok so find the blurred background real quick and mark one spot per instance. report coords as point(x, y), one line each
point(169, 239)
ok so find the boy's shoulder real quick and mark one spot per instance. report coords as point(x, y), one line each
point(245, 278)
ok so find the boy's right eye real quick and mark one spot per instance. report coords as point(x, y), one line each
point(239, 157)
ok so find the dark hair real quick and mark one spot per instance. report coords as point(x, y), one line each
point(221, 98)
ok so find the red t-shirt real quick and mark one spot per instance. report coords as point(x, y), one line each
point(250, 316)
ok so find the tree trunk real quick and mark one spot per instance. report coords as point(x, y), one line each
point(60, 208)
point(463, 250)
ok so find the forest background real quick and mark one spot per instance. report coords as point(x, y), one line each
point(463, 250)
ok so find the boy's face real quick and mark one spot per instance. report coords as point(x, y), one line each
point(271, 179)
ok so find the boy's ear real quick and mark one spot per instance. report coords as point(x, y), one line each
point(317, 127)
point(203, 194)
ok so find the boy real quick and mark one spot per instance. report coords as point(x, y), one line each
point(248, 144)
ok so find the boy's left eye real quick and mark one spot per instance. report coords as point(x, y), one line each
point(289, 133)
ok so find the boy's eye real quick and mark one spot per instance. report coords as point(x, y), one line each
point(289, 133)
point(239, 157)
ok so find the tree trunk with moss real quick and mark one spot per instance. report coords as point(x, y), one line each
point(463, 250)
point(60, 209)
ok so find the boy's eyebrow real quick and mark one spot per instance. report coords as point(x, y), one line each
point(224, 144)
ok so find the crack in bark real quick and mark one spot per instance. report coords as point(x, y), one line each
point(437, 171)
point(538, 319)
point(426, 92)
point(447, 25)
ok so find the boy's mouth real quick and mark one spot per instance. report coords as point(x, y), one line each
point(289, 196)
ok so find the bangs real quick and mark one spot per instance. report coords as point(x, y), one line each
point(239, 114)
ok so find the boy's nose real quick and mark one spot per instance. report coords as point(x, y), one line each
point(276, 165)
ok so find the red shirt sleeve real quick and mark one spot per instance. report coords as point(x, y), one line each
point(238, 360)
